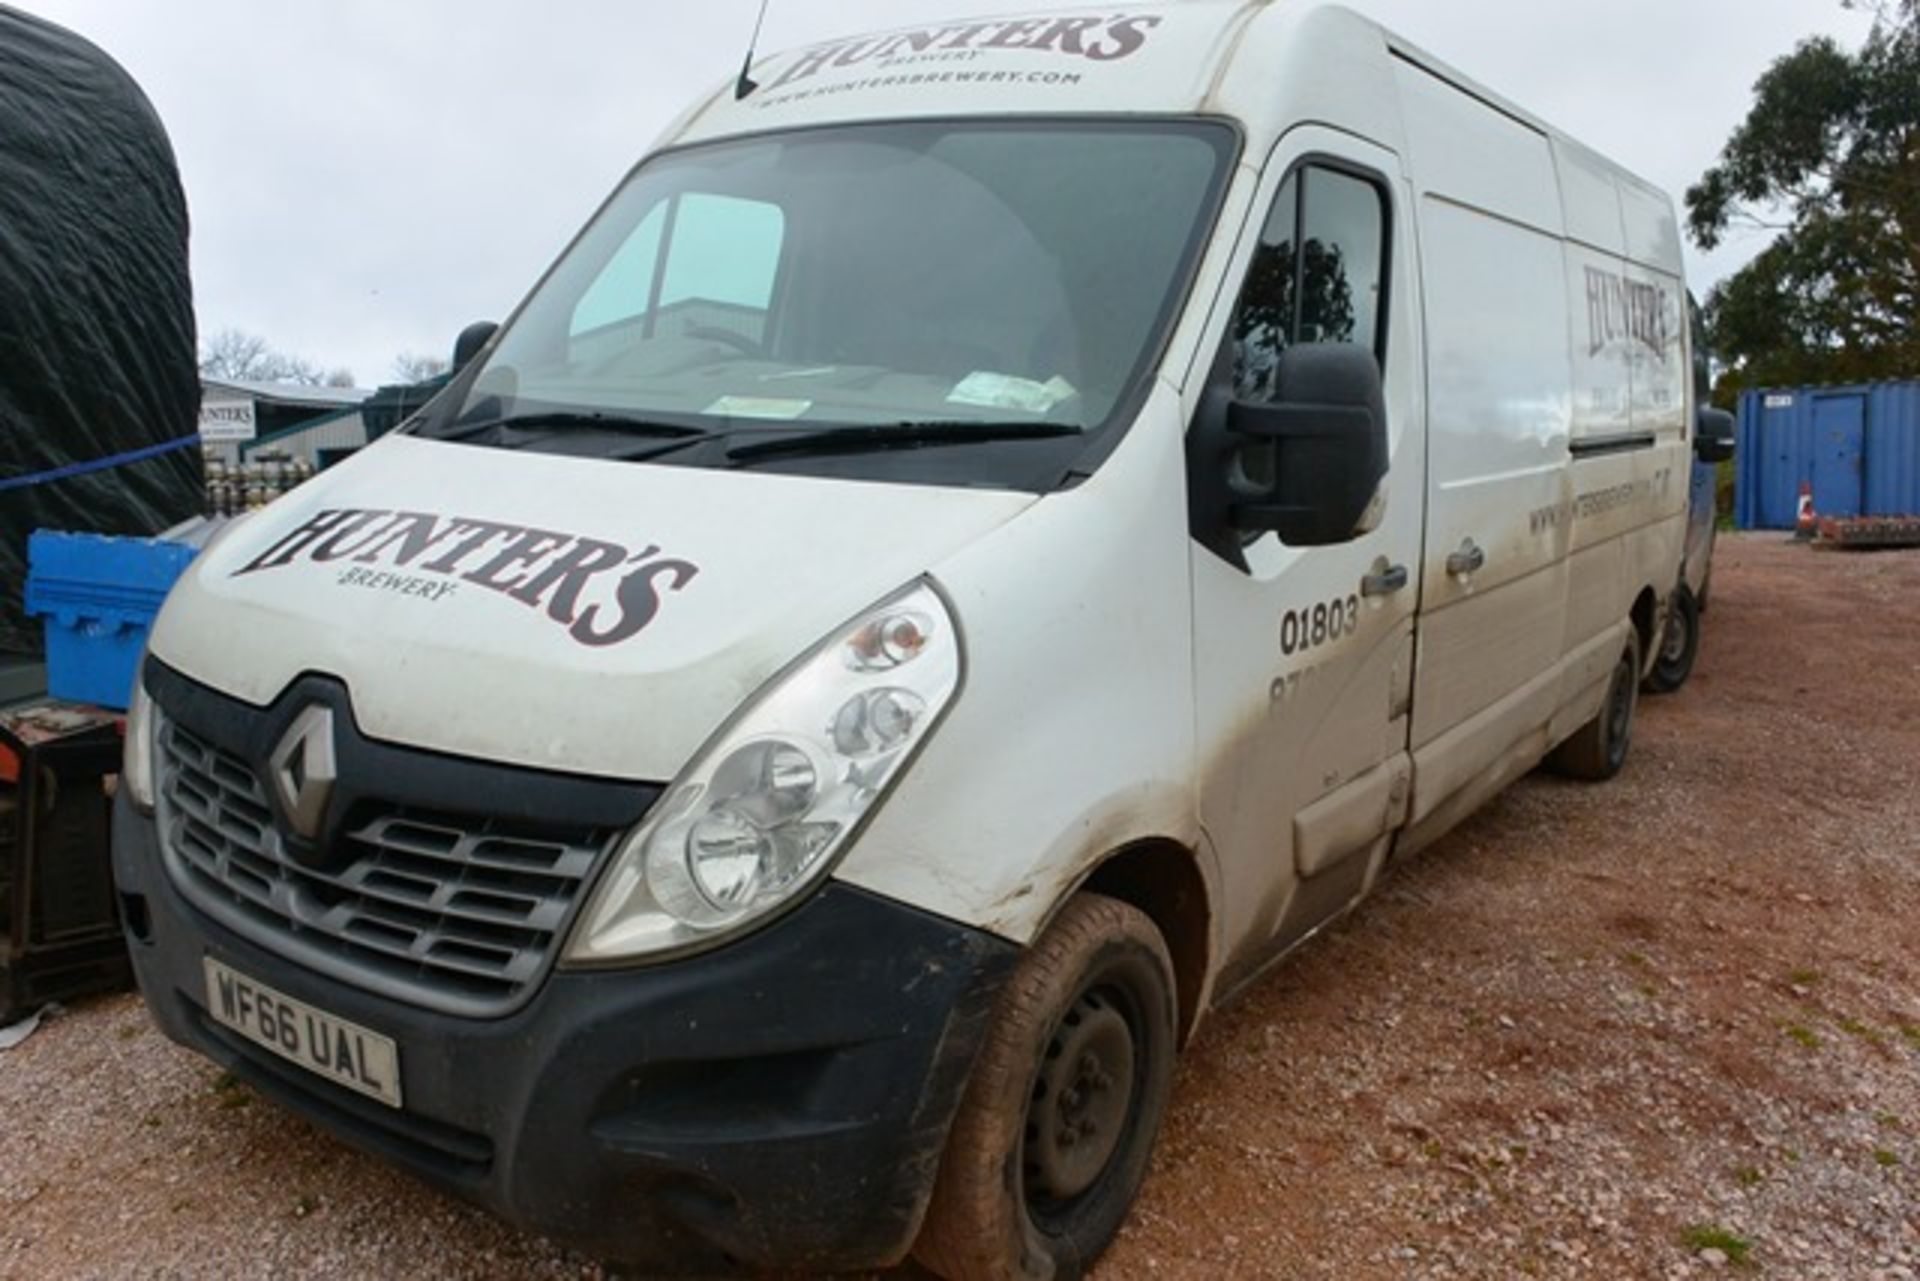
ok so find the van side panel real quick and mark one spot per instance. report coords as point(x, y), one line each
point(1498, 421)
point(1473, 154)
point(1630, 467)
point(1590, 198)
point(1657, 361)
point(1604, 306)
point(1556, 369)
point(1652, 234)
point(1662, 377)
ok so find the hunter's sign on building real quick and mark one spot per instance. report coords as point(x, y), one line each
point(227, 418)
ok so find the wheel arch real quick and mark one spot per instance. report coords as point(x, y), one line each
point(1163, 878)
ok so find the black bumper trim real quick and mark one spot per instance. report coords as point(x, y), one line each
point(464, 1157)
point(779, 1102)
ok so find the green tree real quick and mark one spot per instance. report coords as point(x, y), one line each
point(1829, 156)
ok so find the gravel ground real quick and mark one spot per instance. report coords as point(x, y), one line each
point(1648, 1029)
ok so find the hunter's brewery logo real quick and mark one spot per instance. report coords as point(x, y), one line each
point(1095, 39)
point(601, 592)
point(1620, 310)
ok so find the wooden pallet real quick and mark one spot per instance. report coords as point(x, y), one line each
point(1862, 533)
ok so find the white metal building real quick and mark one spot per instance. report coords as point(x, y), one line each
point(236, 418)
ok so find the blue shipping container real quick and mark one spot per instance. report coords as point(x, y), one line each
point(98, 595)
point(1859, 447)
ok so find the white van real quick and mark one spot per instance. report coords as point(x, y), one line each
point(993, 535)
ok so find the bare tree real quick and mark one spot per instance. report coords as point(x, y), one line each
point(415, 367)
point(341, 377)
point(235, 355)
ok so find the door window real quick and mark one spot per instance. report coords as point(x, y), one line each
point(1316, 276)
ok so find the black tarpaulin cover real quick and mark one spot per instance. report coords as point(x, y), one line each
point(96, 313)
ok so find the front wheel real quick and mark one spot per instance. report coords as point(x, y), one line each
point(1679, 643)
point(1052, 1139)
point(1598, 749)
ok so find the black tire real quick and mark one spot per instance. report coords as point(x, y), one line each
point(1598, 749)
point(1080, 1052)
point(1679, 644)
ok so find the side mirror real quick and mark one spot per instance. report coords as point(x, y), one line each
point(1328, 431)
point(471, 340)
point(1713, 435)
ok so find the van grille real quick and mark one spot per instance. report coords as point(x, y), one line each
point(455, 914)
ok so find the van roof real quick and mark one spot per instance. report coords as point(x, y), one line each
point(1164, 58)
point(1133, 58)
point(1265, 64)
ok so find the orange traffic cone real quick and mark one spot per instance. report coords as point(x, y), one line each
point(1806, 522)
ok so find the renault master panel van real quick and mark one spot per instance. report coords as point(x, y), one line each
point(993, 534)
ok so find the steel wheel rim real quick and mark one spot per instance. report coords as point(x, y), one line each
point(1083, 1101)
point(1673, 645)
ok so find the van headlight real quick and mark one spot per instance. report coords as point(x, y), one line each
point(136, 763)
point(780, 790)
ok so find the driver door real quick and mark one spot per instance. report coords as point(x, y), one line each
point(1303, 656)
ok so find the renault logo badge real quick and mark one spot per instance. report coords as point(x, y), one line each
point(304, 771)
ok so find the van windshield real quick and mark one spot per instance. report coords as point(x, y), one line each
point(1018, 277)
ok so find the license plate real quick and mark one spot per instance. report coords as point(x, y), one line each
point(322, 1043)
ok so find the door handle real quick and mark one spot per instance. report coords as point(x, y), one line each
point(1384, 580)
point(1467, 560)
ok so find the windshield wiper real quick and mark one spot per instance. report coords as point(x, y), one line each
point(865, 437)
point(573, 418)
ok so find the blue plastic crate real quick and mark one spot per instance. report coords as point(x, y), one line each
point(98, 595)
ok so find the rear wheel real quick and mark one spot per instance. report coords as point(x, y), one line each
point(1598, 749)
point(1679, 643)
point(1052, 1139)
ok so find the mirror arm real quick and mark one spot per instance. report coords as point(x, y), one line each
point(1212, 448)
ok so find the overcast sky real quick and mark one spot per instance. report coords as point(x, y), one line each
point(367, 176)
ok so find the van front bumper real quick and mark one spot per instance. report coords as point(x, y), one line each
point(779, 1101)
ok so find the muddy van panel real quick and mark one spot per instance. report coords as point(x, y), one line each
point(770, 766)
